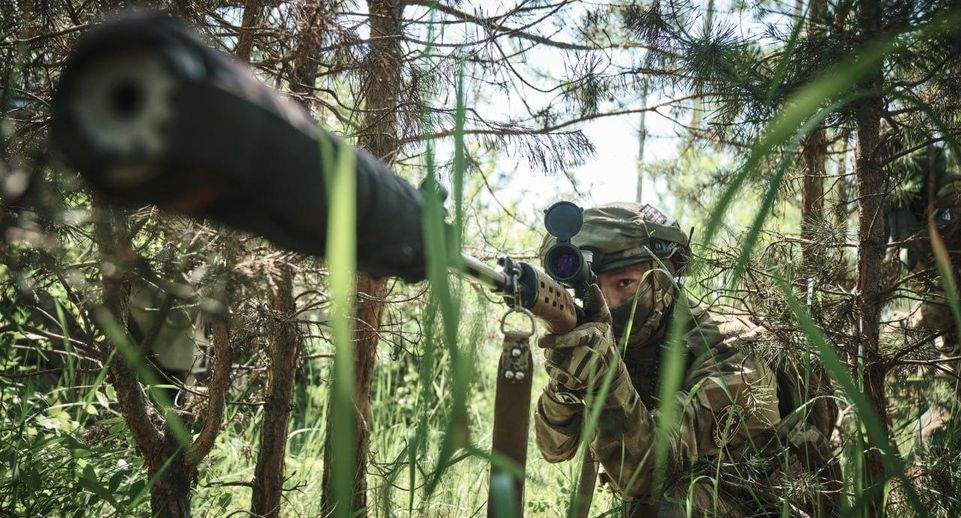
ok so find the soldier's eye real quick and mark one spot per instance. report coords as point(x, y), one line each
point(624, 283)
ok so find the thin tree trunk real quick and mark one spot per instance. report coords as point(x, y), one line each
point(641, 141)
point(870, 184)
point(284, 338)
point(170, 494)
point(369, 311)
point(642, 132)
point(841, 201)
point(697, 106)
point(285, 343)
point(222, 345)
point(245, 40)
point(814, 152)
point(380, 87)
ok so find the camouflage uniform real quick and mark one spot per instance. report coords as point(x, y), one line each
point(735, 423)
point(909, 222)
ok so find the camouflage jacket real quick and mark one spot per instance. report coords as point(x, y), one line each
point(734, 420)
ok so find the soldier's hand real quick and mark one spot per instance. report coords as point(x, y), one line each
point(579, 359)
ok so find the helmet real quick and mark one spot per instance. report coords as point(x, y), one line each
point(623, 234)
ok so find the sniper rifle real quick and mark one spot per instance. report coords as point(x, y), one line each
point(150, 114)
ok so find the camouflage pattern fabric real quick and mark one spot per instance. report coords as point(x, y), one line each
point(734, 451)
point(167, 324)
point(578, 360)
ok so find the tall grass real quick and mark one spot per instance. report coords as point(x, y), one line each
point(803, 112)
point(342, 261)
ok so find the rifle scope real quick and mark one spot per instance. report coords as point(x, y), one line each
point(564, 262)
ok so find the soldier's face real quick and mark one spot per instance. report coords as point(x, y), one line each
point(619, 286)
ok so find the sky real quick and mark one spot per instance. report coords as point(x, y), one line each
point(611, 174)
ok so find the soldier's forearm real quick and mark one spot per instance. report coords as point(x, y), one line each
point(625, 436)
point(557, 428)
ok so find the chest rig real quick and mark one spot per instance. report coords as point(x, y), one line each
point(643, 366)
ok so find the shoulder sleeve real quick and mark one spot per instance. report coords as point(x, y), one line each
point(734, 390)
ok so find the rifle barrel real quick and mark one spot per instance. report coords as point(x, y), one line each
point(484, 273)
point(149, 113)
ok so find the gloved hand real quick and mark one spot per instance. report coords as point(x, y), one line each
point(579, 359)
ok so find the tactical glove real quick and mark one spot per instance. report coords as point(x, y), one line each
point(578, 360)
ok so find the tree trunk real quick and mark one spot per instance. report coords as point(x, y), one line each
point(641, 141)
point(380, 88)
point(222, 345)
point(814, 150)
point(285, 342)
point(170, 495)
point(369, 311)
point(245, 39)
point(870, 185)
point(642, 132)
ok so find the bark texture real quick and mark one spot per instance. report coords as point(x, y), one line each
point(814, 152)
point(369, 312)
point(284, 346)
point(871, 241)
point(170, 495)
point(284, 339)
point(222, 353)
point(253, 10)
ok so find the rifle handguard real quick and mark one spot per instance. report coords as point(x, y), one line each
point(547, 299)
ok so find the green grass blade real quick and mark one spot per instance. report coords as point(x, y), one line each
point(941, 256)
point(342, 262)
point(124, 344)
point(436, 244)
point(774, 185)
point(589, 425)
point(460, 158)
point(800, 108)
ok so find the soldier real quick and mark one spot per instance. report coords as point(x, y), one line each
point(927, 198)
point(746, 434)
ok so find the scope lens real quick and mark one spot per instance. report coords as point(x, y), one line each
point(565, 263)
